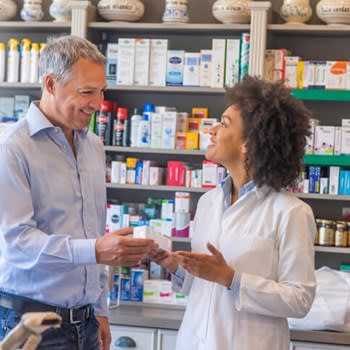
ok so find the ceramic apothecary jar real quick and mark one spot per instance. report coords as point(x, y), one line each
point(121, 10)
point(334, 11)
point(32, 11)
point(231, 11)
point(8, 9)
point(296, 11)
point(61, 10)
point(175, 11)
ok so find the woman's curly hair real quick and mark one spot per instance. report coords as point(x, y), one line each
point(275, 127)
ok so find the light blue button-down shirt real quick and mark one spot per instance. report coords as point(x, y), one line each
point(52, 210)
point(226, 185)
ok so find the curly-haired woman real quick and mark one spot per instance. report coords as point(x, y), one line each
point(252, 259)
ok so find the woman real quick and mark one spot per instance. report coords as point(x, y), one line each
point(252, 259)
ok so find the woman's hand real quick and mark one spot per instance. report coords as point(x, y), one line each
point(209, 267)
point(164, 259)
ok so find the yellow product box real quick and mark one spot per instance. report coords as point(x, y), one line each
point(200, 112)
point(131, 162)
point(193, 124)
point(192, 140)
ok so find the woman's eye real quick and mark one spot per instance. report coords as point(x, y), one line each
point(222, 124)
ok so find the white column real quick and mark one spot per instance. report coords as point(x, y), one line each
point(82, 13)
point(258, 34)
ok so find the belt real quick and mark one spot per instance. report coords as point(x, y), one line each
point(22, 305)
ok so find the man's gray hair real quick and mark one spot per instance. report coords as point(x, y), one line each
point(60, 53)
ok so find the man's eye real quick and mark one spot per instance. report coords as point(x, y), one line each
point(86, 92)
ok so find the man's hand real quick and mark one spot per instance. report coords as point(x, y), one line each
point(116, 249)
point(209, 267)
point(164, 259)
point(104, 333)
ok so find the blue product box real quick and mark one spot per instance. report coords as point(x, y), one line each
point(124, 288)
point(137, 283)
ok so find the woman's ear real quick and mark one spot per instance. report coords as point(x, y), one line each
point(244, 148)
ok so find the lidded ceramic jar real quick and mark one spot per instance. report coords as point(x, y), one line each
point(8, 9)
point(296, 11)
point(231, 11)
point(61, 10)
point(334, 11)
point(121, 10)
point(32, 11)
point(175, 11)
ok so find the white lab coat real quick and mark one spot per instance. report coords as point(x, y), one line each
point(268, 237)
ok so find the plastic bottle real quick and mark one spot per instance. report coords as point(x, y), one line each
point(34, 63)
point(119, 129)
point(2, 61)
point(135, 123)
point(42, 46)
point(13, 61)
point(104, 122)
point(25, 60)
point(144, 131)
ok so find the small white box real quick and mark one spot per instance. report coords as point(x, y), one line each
point(324, 139)
point(336, 74)
point(205, 68)
point(209, 174)
point(345, 140)
point(142, 58)
point(169, 123)
point(232, 62)
point(191, 69)
point(156, 130)
point(159, 54)
point(218, 65)
point(112, 63)
point(126, 61)
point(334, 179)
point(337, 140)
point(175, 67)
point(156, 176)
point(291, 78)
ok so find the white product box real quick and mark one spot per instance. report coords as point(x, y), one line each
point(320, 74)
point(148, 232)
point(123, 173)
point(345, 140)
point(142, 59)
point(209, 174)
point(205, 68)
point(191, 69)
point(156, 176)
point(112, 63)
point(334, 179)
point(310, 141)
point(337, 140)
point(181, 123)
point(115, 216)
point(324, 139)
point(156, 130)
point(175, 67)
point(126, 61)
point(146, 171)
point(115, 171)
point(336, 75)
point(232, 62)
point(169, 123)
point(291, 77)
point(159, 55)
point(218, 65)
point(21, 105)
point(345, 122)
point(308, 74)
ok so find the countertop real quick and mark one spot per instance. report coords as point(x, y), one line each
point(170, 318)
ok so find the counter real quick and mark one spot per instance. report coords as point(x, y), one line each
point(170, 318)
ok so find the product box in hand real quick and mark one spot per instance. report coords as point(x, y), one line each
point(148, 232)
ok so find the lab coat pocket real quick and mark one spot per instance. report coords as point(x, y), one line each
point(253, 255)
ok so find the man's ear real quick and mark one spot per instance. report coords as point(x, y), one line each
point(49, 84)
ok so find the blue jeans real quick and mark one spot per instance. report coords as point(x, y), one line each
point(78, 336)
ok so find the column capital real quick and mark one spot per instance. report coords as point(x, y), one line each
point(259, 5)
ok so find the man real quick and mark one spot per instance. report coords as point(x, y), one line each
point(52, 207)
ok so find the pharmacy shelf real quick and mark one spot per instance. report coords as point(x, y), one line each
point(172, 89)
point(154, 151)
point(45, 26)
point(307, 29)
point(321, 95)
point(19, 85)
point(204, 28)
point(180, 239)
point(318, 196)
point(335, 250)
point(317, 159)
point(156, 188)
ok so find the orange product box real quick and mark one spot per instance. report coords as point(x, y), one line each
point(200, 112)
point(192, 140)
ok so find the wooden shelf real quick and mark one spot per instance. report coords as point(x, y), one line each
point(335, 250)
point(157, 188)
point(173, 89)
point(307, 29)
point(44, 26)
point(204, 28)
point(321, 95)
point(326, 160)
point(317, 196)
point(19, 85)
point(154, 151)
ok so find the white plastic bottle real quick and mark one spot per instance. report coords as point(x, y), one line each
point(2, 61)
point(144, 131)
point(13, 61)
point(135, 124)
point(34, 63)
point(25, 60)
point(42, 46)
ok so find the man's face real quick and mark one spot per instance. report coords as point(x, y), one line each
point(76, 99)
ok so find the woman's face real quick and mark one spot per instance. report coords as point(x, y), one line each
point(227, 146)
